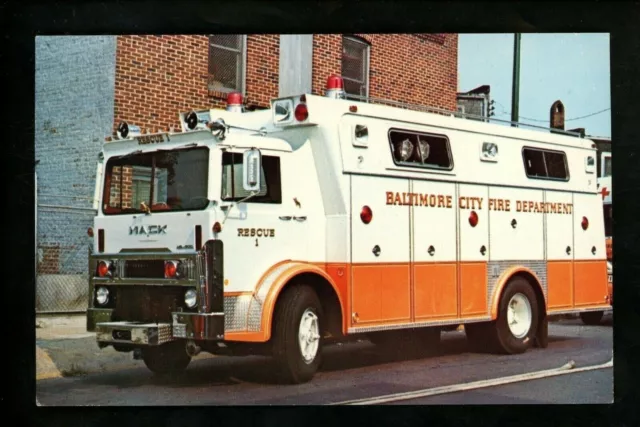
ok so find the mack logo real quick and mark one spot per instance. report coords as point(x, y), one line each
point(149, 230)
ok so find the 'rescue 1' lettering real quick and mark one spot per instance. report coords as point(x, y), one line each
point(150, 139)
point(256, 232)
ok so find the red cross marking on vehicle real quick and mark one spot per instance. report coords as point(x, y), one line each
point(604, 192)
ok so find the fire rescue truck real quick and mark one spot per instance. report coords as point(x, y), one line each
point(325, 218)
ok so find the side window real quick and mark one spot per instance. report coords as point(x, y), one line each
point(270, 187)
point(545, 164)
point(421, 150)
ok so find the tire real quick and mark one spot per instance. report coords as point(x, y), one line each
point(297, 341)
point(169, 358)
point(518, 337)
point(591, 318)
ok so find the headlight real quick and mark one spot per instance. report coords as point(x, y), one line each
point(190, 298)
point(102, 296)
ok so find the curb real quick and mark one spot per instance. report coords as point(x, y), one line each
point(45, 367)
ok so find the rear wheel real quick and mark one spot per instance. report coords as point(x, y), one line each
point(591, 318)
point(169, 358)
point(297, 334)
point(517, 323)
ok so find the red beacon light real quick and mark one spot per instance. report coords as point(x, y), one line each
point(334, 87)
point(301, 112)
point(234, 102)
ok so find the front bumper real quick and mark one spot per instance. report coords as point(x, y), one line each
point(194, 326)
point(153, 318)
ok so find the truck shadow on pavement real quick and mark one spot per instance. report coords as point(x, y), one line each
point(228, 371)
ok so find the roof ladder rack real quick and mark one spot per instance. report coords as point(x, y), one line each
point(434, 110)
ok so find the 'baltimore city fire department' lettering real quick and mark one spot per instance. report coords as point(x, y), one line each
point(465, 202)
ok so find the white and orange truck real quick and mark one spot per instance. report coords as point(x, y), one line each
point(325, 218)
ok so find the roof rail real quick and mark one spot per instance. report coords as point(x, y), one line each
point(434, 110)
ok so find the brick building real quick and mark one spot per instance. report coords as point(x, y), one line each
point(157, 76)
point(86, 85)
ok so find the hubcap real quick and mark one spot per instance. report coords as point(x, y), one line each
point(309, 335)
point(519, 315)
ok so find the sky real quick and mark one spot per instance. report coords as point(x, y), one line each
point(572, 68)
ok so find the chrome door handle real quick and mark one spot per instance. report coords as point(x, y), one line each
point(285, 218)
point(300, 218)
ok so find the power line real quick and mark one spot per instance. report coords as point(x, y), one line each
point(504, 112)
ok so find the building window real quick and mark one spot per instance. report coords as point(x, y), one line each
point(355, 66)
point(421, 150)
point(227, 57)
point(545, 164)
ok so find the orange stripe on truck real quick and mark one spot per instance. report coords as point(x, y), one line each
point(381, 294)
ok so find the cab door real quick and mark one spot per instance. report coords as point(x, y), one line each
point(262, 230)
point(379, 251)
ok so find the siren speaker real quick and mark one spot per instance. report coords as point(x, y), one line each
point(123, 130)
point(192, 120)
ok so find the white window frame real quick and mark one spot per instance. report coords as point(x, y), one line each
point(367, 63)
point(603, 161)
point(243, 66)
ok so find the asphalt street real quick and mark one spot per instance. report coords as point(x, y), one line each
point(358, 371)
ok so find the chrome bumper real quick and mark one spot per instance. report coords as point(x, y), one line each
point(133, 333)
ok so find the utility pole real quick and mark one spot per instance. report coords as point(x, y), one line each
point(515, 85)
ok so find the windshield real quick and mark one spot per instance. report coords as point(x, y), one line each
point(157, 181)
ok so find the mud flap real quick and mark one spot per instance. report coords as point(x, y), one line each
point(542, 335)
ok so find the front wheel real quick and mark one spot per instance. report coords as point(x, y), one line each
point(591, 318)
point(297, 334)
point(169, 358)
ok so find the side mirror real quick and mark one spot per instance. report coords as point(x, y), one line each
point(251, 167)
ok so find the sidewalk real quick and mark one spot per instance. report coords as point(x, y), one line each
point(64, 348)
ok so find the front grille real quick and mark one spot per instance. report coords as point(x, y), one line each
point(152, 269)
point(148, 303)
